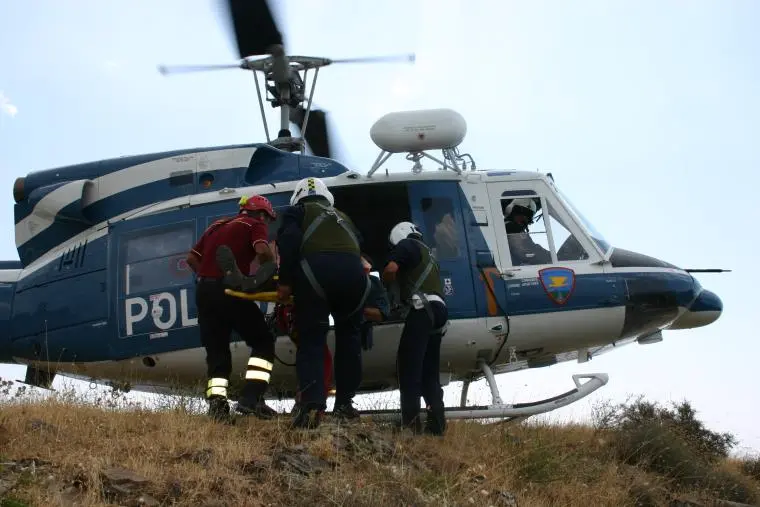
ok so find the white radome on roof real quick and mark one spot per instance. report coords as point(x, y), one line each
point(421, 130)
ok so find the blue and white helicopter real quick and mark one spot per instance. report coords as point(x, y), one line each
point(102, 291)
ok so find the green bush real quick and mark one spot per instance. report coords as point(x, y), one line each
point(681, 419)
point(751, 467)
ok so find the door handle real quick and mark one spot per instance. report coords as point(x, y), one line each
point(510, 272)
point(497, 328)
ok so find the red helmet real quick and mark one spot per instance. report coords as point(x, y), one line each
point(257, 203)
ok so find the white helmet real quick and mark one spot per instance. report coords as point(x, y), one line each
point(526, 203)
point(308, 187)
point(401, 231)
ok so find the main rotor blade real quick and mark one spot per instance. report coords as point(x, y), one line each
point(254, 27)
point(411, 57)
point(177, 69)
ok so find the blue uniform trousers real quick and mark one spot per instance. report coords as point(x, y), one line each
point(419, 357)
point(343, 280)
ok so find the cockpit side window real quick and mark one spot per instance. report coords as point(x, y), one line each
point(526, 230)
point(567, 245)
point(537, 232)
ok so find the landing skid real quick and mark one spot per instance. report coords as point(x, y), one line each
point(500, 410)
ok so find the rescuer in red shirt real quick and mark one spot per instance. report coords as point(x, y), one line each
point(246, 235)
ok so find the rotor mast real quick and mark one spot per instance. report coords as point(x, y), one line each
point(286, 89)
point(257, 35)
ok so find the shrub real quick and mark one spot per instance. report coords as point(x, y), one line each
point(681, 419)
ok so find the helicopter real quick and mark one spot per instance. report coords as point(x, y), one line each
point(102, 291)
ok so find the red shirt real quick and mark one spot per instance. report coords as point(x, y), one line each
point(240, 234)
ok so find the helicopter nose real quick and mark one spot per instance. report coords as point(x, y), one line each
point(703, 311)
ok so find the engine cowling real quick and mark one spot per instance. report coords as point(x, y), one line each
point(57, 203)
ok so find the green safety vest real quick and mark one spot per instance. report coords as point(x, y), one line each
point(327, 230)
point(425, 276)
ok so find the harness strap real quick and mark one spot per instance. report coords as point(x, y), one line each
point(328, 211)
point(367, 290)
point(308, 273)
point(426, 271)
point(427, 306)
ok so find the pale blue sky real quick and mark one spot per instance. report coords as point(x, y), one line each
point(646, 112)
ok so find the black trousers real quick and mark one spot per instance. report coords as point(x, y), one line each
point(219, 315)
point(418, 360)
point(343, 281)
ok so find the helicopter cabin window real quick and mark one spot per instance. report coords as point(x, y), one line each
point(438, 215)
point(154, 258)
point(529, 226)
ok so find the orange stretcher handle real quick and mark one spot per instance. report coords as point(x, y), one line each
point(264, 297)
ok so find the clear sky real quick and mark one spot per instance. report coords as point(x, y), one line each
point(646, 112)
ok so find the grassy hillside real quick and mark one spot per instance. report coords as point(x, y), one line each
point(63, 452)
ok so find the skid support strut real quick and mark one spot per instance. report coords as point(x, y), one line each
point(495, 396)
point(497, 409)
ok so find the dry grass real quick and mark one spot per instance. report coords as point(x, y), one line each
point(189, 460)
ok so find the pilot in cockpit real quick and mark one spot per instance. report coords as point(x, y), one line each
point(518, 215)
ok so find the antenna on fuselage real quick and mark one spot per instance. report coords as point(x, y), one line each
point(257, 34)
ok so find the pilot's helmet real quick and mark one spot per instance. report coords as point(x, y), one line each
point(524, 206)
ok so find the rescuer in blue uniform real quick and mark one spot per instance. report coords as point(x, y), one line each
point(246, 237)
point(412, 266)
point(320, 265)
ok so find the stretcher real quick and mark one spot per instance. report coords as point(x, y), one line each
point(263, 297)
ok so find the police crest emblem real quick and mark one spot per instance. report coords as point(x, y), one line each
point(559, 283)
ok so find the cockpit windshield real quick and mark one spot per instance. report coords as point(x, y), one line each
point(593, 232)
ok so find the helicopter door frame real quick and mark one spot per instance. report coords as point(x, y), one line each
point(532, 300)
point(165, 304)
point(443, 198)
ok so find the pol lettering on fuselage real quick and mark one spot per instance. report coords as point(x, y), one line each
point(164, 311)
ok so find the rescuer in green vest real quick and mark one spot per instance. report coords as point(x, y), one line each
point(413, 271)
point(320, 265)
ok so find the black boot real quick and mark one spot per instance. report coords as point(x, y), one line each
point(236, 280)
point(345, 411)
point(306, 417)
point(219, 410)
point(251, 401)
point(435, 423)
point(260, 410)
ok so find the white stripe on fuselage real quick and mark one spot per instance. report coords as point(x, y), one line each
point(9, 275)
point(127, 179)
point(98, 231)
